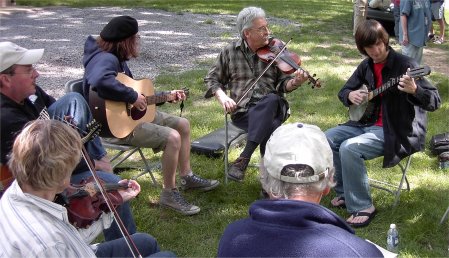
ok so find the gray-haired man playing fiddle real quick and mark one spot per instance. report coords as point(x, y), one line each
point(263, 108)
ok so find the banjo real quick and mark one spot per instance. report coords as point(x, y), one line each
point(366, 108)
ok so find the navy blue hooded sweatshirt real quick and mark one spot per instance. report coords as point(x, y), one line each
point(100, 70)
point(290, 228)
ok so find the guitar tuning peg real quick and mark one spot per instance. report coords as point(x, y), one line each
point(314, 75)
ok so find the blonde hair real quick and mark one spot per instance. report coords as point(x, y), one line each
point(44, 154)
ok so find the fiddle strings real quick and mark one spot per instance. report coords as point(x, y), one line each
point(111, 207)
point(264, 71)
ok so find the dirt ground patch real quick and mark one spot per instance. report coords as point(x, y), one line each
point(437, 59)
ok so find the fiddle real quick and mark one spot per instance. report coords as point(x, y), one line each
point(85, 203)
point(288, 62)
point(108, 201)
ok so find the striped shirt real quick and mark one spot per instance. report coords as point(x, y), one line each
point(35, 227)
point(236, 69)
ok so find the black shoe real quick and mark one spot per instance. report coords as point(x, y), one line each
point(198, 183)
point(237, 169)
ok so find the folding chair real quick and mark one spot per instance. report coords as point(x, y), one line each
point(391, 188)
point(124, 152)
point(76, 85)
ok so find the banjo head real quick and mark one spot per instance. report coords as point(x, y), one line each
point(356, 112)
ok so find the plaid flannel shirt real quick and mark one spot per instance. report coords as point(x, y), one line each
point(236, 69)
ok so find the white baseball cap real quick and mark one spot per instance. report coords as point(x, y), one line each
point(11, 54)
point(294, 144)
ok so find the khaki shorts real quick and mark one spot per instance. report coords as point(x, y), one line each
point(151, 135)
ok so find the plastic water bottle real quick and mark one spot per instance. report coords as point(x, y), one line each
point(393, 239)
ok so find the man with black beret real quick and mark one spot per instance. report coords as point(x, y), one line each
point(105, 57)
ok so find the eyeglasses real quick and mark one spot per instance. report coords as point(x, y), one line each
point(30, 71)
point(262, 29)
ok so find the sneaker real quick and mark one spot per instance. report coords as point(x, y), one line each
point(172, 198)
point(438, 41)
point(196, 182)
point(237, 169)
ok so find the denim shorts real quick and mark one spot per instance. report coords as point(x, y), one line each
point(437, 11)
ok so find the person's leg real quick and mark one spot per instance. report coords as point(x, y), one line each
point(336, 136)
point(259, 122)
point(413, 52)
point(183, 129)
point(147, 247)
point(397, 21)
point(123, 210)
point(360, 9)
point(442, 29)
point(158, 135)
point(438, 15)
point(353, 153)
point(419, 54)
point(263, 119)
point(74, 105)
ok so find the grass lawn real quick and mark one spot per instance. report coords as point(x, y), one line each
point(325, 44)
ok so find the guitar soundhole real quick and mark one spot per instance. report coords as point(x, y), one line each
point(136, 114)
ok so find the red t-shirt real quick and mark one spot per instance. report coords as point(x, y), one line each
point(378, 80)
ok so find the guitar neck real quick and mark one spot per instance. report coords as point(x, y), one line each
point(160, 98)
point(391, 82)
point(413, 73)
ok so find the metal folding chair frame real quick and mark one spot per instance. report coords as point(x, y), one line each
point(391, 188)
point(444, 216)
point(124, 152)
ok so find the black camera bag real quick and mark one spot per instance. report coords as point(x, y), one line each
point(439, 143)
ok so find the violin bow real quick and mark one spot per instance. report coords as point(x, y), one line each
point(134, 251)
point(125, 233)
point(264, 71)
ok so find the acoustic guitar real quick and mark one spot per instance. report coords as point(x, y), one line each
point(365, 110)
point(119, 118)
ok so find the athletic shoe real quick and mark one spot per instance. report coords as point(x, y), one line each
point(196, 182)
point(172, 198)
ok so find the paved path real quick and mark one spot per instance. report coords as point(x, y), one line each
point(171, 41)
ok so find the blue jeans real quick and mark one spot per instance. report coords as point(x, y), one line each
point(74, 105)
point(413, 52)
point(351, 146)
point(124, 210)
point(397, 21)
point(146, 244)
